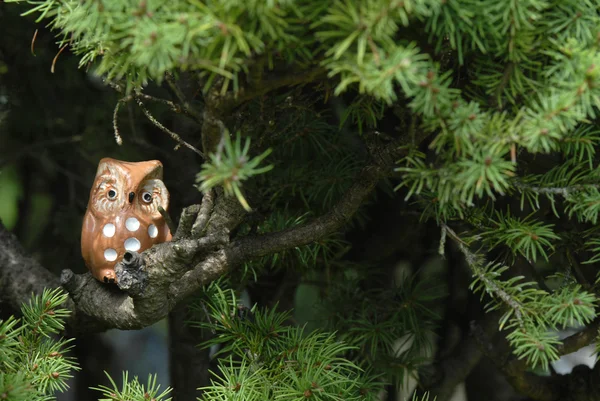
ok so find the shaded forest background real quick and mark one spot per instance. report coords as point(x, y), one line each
point(55, 127)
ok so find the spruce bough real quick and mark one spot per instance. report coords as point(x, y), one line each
point(498, 100)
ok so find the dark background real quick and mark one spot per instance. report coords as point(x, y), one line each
point(56, 126)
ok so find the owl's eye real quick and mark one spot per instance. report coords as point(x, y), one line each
point(112, 194)
point(147, 197)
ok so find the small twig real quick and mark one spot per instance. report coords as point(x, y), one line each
point(173, 135)
point(374, 50)
point(118, 138)
point(204, 214)
point(212, 329)
point(563, 191)
point(114, 85)
point(33, 42)
point(508, 69)
point(56, 58)
point(442, 242)
point(168, 220)
point(186, 220)
point(475, 261)
point(166, 102)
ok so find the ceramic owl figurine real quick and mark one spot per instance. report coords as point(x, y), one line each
point(122, 214)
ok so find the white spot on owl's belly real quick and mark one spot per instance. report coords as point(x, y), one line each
point(132, 224)
point(110, 254)
point(132, 244)
point(108, 230)
point(152, 231)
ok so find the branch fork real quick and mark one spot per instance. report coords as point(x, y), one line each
point(144, 292)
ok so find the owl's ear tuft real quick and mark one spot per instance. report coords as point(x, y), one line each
point(154, 169)
point(107, 166)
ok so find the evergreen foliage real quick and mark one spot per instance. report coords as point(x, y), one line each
point(507, 94)
point(133, 390)
point(229, 165)
point(33, 362)
point(263, 358)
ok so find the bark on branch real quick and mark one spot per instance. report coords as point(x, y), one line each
point(153, 282)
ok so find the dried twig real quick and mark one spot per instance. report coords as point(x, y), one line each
point(33, 42)
point(56, 58)
point(168, 220)
point(118, 138)
point(173, 135)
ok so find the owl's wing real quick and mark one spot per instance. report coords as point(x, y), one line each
point(87, 236)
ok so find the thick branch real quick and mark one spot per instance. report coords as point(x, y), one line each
point(579, 340)
point(455, 368)
point(21, 276)
point(15, 286)
point(153, 282)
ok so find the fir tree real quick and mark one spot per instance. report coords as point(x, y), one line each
point(474, 119)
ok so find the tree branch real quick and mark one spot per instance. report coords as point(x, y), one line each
point(383, 159)
point(21, 276)
point(172, 134)
point(455, 368)
point(579, 340)
point(537, 387)
point(153, 282)
point(187, 107)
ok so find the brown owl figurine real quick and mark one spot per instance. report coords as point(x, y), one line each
point(122, 214)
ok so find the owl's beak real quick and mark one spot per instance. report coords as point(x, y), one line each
point(131, 195)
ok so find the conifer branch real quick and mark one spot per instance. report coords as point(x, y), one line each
point(563, 191)
point(475, 262)
point(455, 368)
point(537, 387)
point(382, 164)
point(167, 278)
point(580, 339)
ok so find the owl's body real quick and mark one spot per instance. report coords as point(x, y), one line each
point(122, 214)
